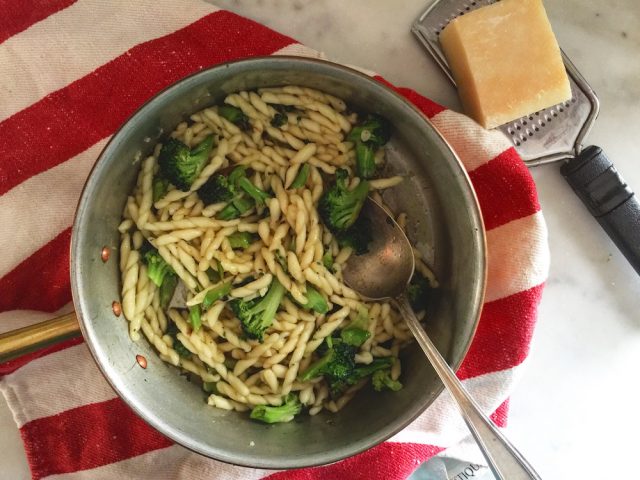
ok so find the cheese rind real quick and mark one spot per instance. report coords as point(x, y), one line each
point(506, 61)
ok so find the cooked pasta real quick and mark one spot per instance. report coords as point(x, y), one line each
point(258, 223)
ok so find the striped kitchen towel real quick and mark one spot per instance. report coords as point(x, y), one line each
point(72, 72)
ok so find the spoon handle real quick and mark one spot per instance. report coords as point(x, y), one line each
point(504, 460)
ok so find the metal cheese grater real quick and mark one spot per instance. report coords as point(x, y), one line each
point(556, 134)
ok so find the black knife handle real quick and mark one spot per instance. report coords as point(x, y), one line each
point(609, 199)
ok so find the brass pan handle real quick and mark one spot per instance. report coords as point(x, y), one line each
point(34, 337)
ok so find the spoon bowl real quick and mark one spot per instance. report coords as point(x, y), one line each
point(386, 269)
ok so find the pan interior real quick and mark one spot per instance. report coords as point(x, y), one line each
point(444, 224)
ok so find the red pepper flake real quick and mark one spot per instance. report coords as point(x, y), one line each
point(117, 308)
point(104, 255)
point(141, 361)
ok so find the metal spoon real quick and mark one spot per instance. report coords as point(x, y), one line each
point(384, 273)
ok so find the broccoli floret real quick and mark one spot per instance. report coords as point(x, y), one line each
point(195, 317)
point(368, 136)
point(301, 177)
point(167, 289)
point(210, 387)
point(259, 196)
point(339, 369)
point(378, 364)
point(356, 333)
point(215, 294)
point(337, 363)
point(374, 130)
point(257, 315)
point(235, 116)
point(278, 120)
point(160, 188)
point(232, 188)
point(418, 292)
point(157, 267)
point(315, 301)
point(217, 274)
point(216, 189)
point(339, 207)
point(284, 413)
point(327, 261)
point(381, 380)
point(358, 236)
point(337, 386)
point(172, 331)
point(181, 349)
point(182, 166)
point(235, 209)
point(241, 239)
point(280, 108)
point(365, 160)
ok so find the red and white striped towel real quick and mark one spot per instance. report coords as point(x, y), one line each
point(72, 72)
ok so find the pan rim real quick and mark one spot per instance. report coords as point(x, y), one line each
point(155, 421)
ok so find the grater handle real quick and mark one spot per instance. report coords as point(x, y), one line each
point(609, 199)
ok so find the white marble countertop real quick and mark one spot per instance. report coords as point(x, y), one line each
point(575, 413)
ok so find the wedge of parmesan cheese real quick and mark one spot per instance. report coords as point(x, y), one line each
point(506, 61)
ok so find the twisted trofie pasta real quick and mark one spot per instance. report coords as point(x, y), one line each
point(248, 229)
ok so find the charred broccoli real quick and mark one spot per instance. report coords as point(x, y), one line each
point(257, 315)
point(181, 349)
point(418, 292)
point(339, 207)
point(368, 136)
point(278, 120)
point(233, 188)
point(337, 363)
point(338, 367)
point(235, 116)
point(337, 386)
point(178, 346)
point(284, 413)
point(217, 189)
point(358, 236)
point(180, 165)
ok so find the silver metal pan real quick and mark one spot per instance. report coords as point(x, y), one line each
point(445, 223)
